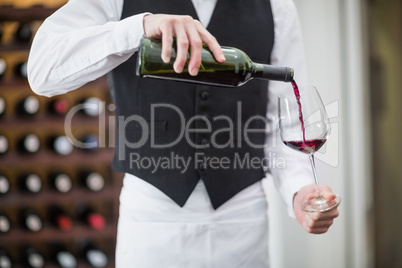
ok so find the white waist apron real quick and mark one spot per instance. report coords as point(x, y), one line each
point(154, 232)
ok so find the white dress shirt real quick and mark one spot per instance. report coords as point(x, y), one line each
point(86, 39)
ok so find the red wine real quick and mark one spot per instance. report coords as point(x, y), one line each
point(297, 95)
point(306, 146)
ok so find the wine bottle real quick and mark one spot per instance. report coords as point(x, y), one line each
point(24, 32)
point(93, 255)
point(21, 70)
point(1, 31)
point(29, 144)
point(2, 104)
point(63, 257)
point(90, 217)
point(58, 107)
point(5, 261)
point(90, 143)
point(3, 67)
point(4, 185)
point(61, 145)
point(61, 182)
point(32, 258)
point(92, 106)
point(30, 183)
point(31, 220)
point(59, 218)
point(235, 71)
point(4, 223)
point(94, 181)
point(3, 144)
point(28, 106)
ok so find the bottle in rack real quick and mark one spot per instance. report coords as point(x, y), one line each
point(21, 70)
point(31, 183)
point(3, 67)
point(90, 217)
point(4, 185)
point(24, 32)
point(5, 261)
point(31, 220)
point(235, 71)
point(32, 258)
point(28, 106)
point(93, 255)
point(58, 107)
point(29, 144)
point(94, 181)
point(3, 144)
point(5, 224)
point(63, 257)
point(2, 102)
point(61, 145)
point(60, 218)
point(92, 106)
point(61, 182)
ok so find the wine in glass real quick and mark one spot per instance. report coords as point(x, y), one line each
point(304, 126)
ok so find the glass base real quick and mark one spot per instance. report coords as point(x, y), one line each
point(319, 204)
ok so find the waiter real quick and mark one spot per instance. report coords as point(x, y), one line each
point(207, 214)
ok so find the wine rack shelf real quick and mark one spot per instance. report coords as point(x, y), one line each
point(23, 114)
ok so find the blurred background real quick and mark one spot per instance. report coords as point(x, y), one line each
point(354, 58)
point(59, 203)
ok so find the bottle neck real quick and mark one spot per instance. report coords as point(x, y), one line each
point(270, 72)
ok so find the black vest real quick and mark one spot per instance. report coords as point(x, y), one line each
point(171, 134)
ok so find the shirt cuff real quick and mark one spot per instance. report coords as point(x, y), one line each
point(128, 33)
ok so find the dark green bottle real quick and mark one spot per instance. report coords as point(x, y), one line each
point(235, 71)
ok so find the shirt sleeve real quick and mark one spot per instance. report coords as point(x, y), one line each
point(79, 43)
point(290, 169)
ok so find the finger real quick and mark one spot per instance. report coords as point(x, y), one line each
point(322, 216)
point(210, 41)
point(182, 44)
point(167, 42)
point(196, 50)
point(328, 195)
point(317, 224)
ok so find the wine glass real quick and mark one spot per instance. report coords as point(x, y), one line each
point(304, 126)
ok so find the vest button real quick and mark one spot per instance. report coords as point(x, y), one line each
point(204, 142)
point(205, 95)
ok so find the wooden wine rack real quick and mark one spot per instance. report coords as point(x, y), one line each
point(14, 163)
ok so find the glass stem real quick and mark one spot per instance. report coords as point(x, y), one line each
point(317, 185)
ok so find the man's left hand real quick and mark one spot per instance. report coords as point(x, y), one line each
point(314, 222)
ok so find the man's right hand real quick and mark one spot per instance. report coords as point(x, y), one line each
point(189, 34)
